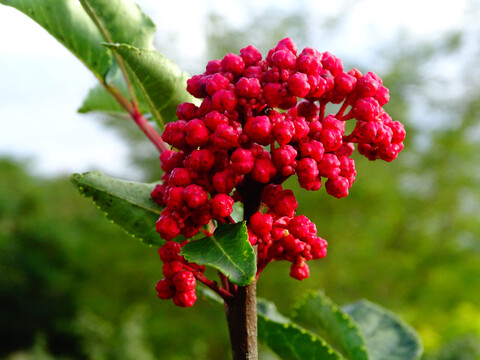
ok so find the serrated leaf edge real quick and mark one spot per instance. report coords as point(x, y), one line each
point(77, 176)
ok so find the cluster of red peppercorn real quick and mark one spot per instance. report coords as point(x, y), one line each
point(260, 122)
point(179, 282)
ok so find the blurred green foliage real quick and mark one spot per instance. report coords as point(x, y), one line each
point(74, 286)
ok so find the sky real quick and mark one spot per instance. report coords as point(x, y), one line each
point(42, 85)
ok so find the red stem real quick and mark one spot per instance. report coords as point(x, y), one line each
point(148, 130)
point(321, 114)
point(342, 109)
point(226, 295)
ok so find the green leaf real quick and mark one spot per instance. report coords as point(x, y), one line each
point(126, 203)
point(386, 335)
point(287, 339)
point(68, 22)
point(161, 82)
point(121, 21)
point(318, 313)
point(227, 250)
point(99, 99)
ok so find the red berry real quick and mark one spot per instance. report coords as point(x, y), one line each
point(185, 299)
point(196, 133)
point(337, 187)
point(250, 55)
point(215, 83)
point(298, 84)
point(242, 161)
point(233, 63)
point(184, 281)
point(224, 100)
point(299, 270)
point(202, 160)
point(170, 269)
point(261, 224)
point(170, 251)
point(167, 227)
point(258, 129)
point(165, 289)
point(222, 205)
point(263, 170)
point(224, 181)
point(194, 196)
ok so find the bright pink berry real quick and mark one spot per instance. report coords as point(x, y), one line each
point(194, 196)
point(259, 129)
point(367, 85)
point(301, 226)
point(284, 156)
point(202, 160)
point(332, 63)
point(158, 193)
point(165, 289)
point(214, 119)
point(301, 129)
point(167, 227)
point(248, 87)
point(313, 149)
point(243, 161)
point(307, 169)
point(171, 159)
point(233, 63)
point(195, 86)
point(170, 251)
point(299, 270)
point(225, 137)
point(185, 299)
point(224, 181)
point(180, 177)
point(366, 109)
point(224, 100)
point(286, 203)
point(261, 224)
point(345, 83)
point(213, 66)
point(250, 55)
point(337, 187)
point(287, 44)
point(283, 131)
point(222, 205)
point(329, 166)
point(263, 170)
point(184, 281)
point(298, 85)
point(174, 134)
point(318, 248)
point(215, 83)
point(196, 133)
point(274, 93)
point(186, 111)
point(171, 268)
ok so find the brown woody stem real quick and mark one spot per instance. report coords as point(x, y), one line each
point(241, 313)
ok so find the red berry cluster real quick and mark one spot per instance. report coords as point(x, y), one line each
point(179, 282)
point(260, 122)
point(280, 235)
